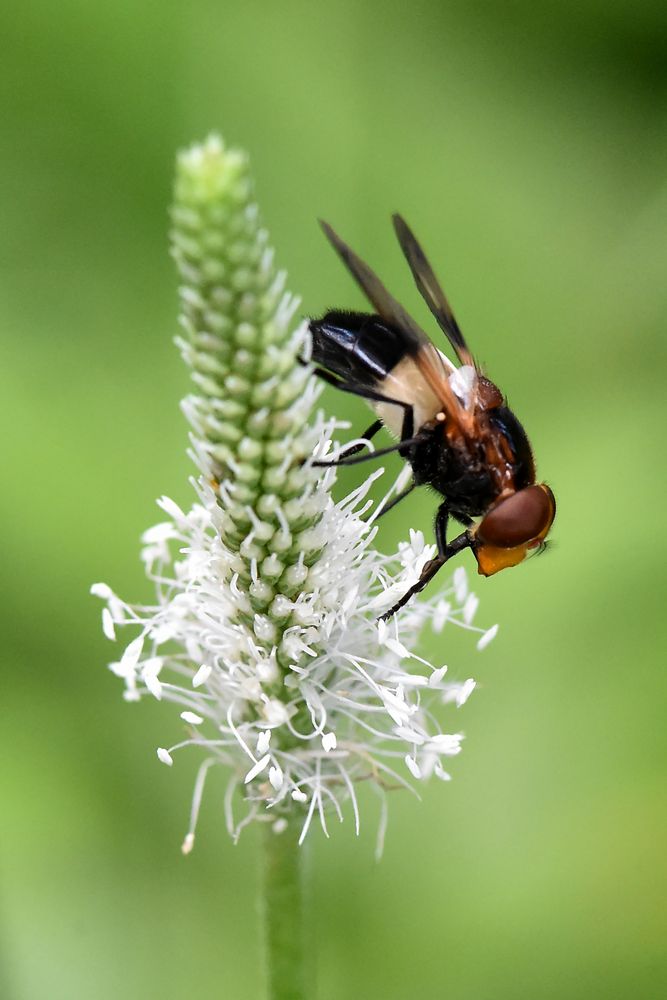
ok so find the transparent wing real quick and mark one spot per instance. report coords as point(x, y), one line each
point(430, 361)
point(430, 289)
point(382, 301)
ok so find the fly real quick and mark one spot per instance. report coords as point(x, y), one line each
point(451, 422)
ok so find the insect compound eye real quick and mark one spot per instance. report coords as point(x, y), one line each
point(523, 517)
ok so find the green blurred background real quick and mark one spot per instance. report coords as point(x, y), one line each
point(525, 142)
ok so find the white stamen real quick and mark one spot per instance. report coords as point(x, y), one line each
point(107, 624)
point(413, 766)
point(263, 741)
point(470, 608)
point(149, 672)
point(130, 657)
point(171, 508)
point(192, 718)
point(329, 742)
point(488, 636)
point(257, 768)
point(460, 581)
point(202, 675)
point(276, 778)
point(465, 691)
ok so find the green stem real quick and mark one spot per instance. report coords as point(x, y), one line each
point(283, 901)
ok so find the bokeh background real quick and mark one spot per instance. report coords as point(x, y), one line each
point(525, 141)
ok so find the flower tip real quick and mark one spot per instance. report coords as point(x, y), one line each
point(164, 756)
point(213, 143)
point(188, 843)
point(192, 156)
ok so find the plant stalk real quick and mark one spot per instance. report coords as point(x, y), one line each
point(285, 926)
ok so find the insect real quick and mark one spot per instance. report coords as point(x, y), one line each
point(452, 423)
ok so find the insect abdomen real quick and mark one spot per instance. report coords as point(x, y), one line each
point(356, 346)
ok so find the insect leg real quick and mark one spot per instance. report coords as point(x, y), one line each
point(462, 541)
point(357, 389)
point(365, 392)
point(441, 519)
point(399, 446)
point(408, 425)
point(397, 499)
point(369, 433)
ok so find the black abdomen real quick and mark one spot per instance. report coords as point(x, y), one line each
point(356, 346)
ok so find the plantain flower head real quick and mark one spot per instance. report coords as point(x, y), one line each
point(264, 630)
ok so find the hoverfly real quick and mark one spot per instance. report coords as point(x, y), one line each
point(452, 423)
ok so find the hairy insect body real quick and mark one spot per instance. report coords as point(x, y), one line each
point(356, 346)
point(365, 350)
point(405, 384)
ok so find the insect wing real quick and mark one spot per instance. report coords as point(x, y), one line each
point(376, 293)
point(427, 357)
point(430, 289)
